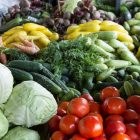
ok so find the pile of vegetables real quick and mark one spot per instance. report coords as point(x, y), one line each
point(28, 10)
point(96, 26)
point(83, 118)
point(82, 12)
point(70, 65)
point(29, 31)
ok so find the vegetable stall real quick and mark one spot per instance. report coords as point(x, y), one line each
point(70, 70)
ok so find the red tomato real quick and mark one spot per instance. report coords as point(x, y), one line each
point(58, 135)
point(113, 118)
point(115, 127)
point(61, 112)
point(63, 105)
point(90, 127)
point(77, 137)
point(68, 124)
point(109, 92)
point(138, 128)
point(133, 102)
point(131, 131)
point(87, 96)
point(54, 123)
point(120, 136)
point(114, 105)
point(130, 116)
point(97, 115)
point(95, 107)
point(79, 107)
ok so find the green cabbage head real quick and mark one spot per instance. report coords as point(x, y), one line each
point(3, 125)
point(20, 133)
point(30, 104)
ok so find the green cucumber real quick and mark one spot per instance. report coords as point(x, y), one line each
point(126, 26)
point(128, 88)
point(135, 29)
point(111, 79)
point(125, 13)
point(46, 83)
point(134, 68)
point(29, 66)
point(73, 93)
point(56, 80)
point(133, 22)
point(10, 24)
point(135, 75)
point(135, 40)
point(20, 75)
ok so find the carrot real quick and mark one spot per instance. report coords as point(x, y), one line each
point(27, 47)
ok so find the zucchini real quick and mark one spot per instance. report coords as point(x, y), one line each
point(107, 35)
point(116, 44)
point(104, 45)
point(125, 54)
point(10, 24)
point(117, 64)
point(29, 66)
point(20, 75)
point(56, 80)
point(105, 74)
point(46, 83)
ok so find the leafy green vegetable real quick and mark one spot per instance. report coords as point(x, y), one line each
point(20, 133)
point(30, 104)
point(79, 56)
point(15, 54)
point(69, 5)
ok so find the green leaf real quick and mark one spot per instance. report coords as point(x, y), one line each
point(69, 5)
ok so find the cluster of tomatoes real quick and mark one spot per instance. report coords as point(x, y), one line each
point(84, 119)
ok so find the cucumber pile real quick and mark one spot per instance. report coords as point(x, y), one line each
point(29, 70)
